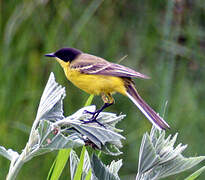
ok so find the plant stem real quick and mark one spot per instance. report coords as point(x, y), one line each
point(16, 166)
point(23, 157)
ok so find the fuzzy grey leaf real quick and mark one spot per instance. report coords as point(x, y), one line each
point(178, 165)
point(159, 158)
point(111, 149)
point(56, 140)
point(50, 106)
point(115, 166)
point(147, 156)
point(52, 139)
point(102, 137)
point(74, 160)
point(87, 163)
point(100, 171)
point(97, 134)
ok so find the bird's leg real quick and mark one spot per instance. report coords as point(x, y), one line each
point(108, 101)
point(97, 112)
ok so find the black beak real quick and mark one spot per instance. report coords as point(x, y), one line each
point(50, 55)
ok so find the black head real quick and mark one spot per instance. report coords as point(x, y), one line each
point(65, 54)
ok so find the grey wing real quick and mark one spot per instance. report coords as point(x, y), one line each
point(93, 65)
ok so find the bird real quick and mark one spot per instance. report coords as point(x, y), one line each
point(97, 76)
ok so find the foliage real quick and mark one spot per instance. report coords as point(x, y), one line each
point(159, 159)
point(52, 131)
point(163, 39)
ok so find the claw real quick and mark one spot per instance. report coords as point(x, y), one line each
point(93, 121)
point(93, 118)
point(95, 115)
point(88, 112)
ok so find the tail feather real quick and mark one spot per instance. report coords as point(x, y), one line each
point(151, 115)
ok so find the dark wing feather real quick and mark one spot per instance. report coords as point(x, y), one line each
point(89, 64)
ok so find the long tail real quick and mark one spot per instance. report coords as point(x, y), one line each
point(153, 117)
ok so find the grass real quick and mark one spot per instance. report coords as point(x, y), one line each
point(164, 40)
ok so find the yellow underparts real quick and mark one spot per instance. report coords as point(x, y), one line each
point(94, 84)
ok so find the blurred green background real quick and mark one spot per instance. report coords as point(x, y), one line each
point(163, 39)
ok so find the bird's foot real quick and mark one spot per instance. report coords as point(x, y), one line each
point(95, 114)
point(92, 121)
point(89, 112)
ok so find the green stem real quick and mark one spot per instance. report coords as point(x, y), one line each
point(61, 163)
point(89, 100)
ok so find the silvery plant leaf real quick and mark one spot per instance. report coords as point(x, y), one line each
point(51, 104)
point(100, 171)
point(86, 164)
point(114, 167)
point(52, 131)
point(105, 138)
point(9, 154)
point(97, 134)
point(51, 138)
point(74, 162)
point(158, 158)
point(50, 107)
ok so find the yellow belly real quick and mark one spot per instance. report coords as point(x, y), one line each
point(95, 84)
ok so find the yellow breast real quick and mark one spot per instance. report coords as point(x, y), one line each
point(94, 84)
